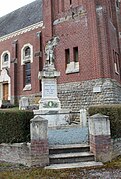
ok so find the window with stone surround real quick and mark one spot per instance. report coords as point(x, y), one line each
point(26, 54)
point(27, 73)
point(26, 60)
point(72, 66)
point(5, 60)
point(6, 57)
point(118, 3)
point(27, 76)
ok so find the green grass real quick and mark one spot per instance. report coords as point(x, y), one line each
point(10, 109)
point(5, 164)
point(36, 173)
point(39, 173)
point(116, 163)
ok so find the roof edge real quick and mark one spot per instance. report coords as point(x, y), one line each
point(21, 31)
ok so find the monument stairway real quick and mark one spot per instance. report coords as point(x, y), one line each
point(71, 156)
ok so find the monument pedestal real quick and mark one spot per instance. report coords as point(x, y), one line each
point(49, 105)
point(59, 118)
point(49, 98)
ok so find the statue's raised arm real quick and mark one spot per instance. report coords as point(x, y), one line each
point(49, 50)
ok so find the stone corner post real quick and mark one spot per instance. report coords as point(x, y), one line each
point(100, 138)
point(39, 142)
point(83, 118)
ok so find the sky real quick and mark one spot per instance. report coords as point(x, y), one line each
point(7, 6)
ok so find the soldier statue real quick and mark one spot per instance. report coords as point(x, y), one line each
point(49, 50)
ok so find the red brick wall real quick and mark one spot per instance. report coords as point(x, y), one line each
point(47, 19)
point(95, 35)
point(108, 42)
point(29, 37)
point(60, 7)
point(39, 147)
point(72, 35)
point(92, 35)
point(100, 144)
point(79, 33)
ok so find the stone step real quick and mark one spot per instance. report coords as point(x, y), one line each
point(57, 149)
point(71, 157)
point(75, 165)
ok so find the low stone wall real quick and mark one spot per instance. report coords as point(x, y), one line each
point(16, 153)
point(20, 153)
point(37, 153)
point(34, 154)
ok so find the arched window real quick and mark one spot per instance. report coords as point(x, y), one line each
point(26, 60)
point(26, 54)
point(5, 60)
point(117, 3)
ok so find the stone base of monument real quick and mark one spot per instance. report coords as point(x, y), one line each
point(50, 103)
point(56, 118)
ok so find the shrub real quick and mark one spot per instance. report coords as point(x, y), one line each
point(114, 113)
point(15, 126)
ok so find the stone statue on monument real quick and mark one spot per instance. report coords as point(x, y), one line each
point(49, 64)
point(49, 50)
point(49, 102)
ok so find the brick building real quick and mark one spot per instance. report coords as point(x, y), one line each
point(87, 55)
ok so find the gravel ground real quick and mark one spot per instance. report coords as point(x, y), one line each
point(97, 173)
point(71, 135)
point(103, 174)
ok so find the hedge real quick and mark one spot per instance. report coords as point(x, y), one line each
point(15, 126)
point(114, 113)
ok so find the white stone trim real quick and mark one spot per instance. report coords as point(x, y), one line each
point(97, 89)
point(21, 31)
point(116, 68)
point(23, 58)
point(5, 64)
point(72, 67)
point(4, 77)
point(27, 87)
point(1, 93)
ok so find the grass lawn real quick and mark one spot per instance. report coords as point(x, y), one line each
point(8, 171)
point(9, 109)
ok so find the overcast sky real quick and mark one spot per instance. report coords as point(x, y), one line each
point(7, 6)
